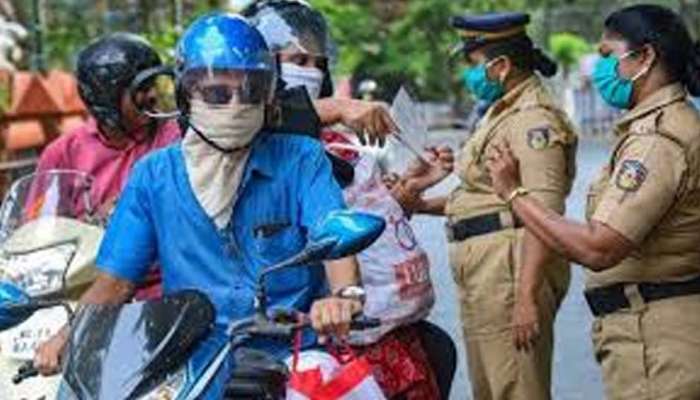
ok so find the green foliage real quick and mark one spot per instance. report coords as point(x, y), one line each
point(69, 27)
point(567, 48)
point(355, 30)
point(4, 96)
point(392, 41)
point(164, 42)
point(411, 46)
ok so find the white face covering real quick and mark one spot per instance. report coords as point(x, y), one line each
point(230, 126)
point(215, 175)
point(309, 77)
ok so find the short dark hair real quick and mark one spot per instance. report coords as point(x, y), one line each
point(665, 31)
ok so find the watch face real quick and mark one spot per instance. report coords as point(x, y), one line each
point(352, 292)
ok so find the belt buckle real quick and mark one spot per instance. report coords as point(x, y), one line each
point(449, 232)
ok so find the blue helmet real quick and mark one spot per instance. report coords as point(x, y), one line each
point(221, 43)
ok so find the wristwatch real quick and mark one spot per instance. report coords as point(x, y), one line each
point(519, 191)
point(352, 292)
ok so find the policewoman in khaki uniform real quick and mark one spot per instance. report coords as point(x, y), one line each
point(510, 284)
point(641, 243)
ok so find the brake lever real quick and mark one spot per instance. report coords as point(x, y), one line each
point(283, 323)
point(25, 371)
point(362, 322)
point(359, 322)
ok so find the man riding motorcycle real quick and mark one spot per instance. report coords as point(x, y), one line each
point(117, 135)
point(226, 201)
point(108, 144)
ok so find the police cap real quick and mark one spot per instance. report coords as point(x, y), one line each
point(479, 30)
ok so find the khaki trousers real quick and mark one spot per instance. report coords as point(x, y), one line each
point(485, 269)
point(651, 352)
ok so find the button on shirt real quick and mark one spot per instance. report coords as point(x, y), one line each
point(287, 188)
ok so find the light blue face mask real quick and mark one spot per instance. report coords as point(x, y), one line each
point(614, 89)
point(477, 81)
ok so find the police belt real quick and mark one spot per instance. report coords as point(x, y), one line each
point(480, 225)
point(609, 299)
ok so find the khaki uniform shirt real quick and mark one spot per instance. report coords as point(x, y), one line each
point(542, 139)
point(648, 192)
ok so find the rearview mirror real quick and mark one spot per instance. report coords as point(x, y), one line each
point(340, 234)
point(350, 231)
point(14, 305)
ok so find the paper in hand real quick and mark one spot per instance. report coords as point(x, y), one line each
point(409, 118)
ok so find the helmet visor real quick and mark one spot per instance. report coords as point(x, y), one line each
point(224, 60)
point(296, 29)
point(220, 87)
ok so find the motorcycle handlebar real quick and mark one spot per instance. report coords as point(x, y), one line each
point(286, 330)
point(25, 371)
point(363, 322)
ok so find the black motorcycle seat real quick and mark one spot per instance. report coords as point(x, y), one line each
point(256, 375)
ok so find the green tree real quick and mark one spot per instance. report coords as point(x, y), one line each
point(567, 49)
point(404, 41)
point(393, 41)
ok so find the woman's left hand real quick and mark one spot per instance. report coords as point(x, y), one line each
point(504, 170)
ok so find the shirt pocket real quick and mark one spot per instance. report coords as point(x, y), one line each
point(277, 239)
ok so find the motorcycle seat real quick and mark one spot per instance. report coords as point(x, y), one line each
point(257, 375)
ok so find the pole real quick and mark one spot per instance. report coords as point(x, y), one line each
point(38, 61)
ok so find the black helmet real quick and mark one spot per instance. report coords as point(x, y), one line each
point(294, 23)
point(106, 68)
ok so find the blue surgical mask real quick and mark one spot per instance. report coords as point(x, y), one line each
point(613, 88)
point(477, 81)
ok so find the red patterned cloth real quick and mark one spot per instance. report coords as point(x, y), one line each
point(401, 366)
point(152, 287)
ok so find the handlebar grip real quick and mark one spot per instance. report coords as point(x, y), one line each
point(25, 371)
point(363, 322)
point(274, 331)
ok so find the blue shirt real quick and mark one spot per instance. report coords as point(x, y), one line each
point(287, 187)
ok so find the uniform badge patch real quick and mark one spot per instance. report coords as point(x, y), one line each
point(631, 176)
point(538, 138)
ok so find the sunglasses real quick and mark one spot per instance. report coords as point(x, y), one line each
point(222, 94)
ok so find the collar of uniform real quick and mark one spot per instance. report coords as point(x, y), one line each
point(514, 95)
point(260, 161)
point(659, 99)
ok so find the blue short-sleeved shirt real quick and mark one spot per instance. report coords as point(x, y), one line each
point(287, 187)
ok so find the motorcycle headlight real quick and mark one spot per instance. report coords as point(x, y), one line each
point(169, 389)
point(40, 271)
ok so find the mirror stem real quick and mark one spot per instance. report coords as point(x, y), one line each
point(261, 297)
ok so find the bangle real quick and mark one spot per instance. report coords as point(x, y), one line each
point(519, 191)
point(351, 292)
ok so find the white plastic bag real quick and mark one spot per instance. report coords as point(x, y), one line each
point(320, 376)
point(395, 269)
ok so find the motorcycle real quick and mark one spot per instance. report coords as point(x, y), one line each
point(49, 237)
point(160, 335)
